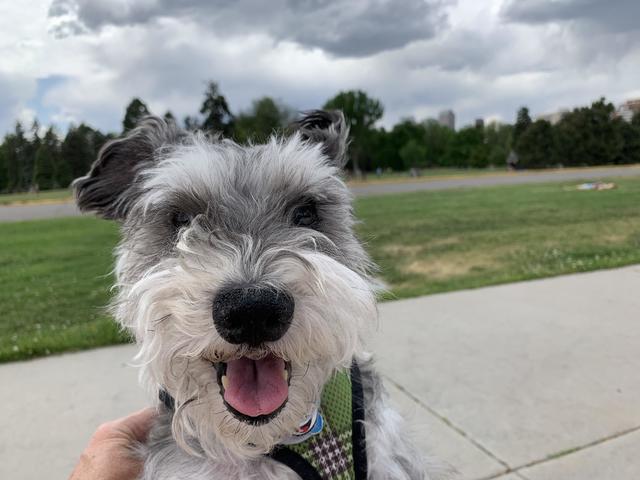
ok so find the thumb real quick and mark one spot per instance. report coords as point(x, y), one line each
point(137, 425)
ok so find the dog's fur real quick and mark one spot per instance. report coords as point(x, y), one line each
point(234, 208)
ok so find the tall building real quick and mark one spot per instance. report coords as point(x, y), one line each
point(628, 109)
point(447, 118)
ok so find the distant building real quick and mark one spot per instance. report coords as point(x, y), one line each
point(447, 118)
point(554, 117)
point(628, 109)
point(480, 123)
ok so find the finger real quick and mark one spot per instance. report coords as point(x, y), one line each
point(138, 424)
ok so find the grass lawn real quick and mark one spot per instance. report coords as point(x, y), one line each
point(54, 273)
point(46, 196)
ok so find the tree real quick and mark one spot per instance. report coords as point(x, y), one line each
point(217, 116)
point(383, 152)
point(3, 169)
point(630, 152)
point(523, 121)
point(265, 117)
point(589, 136)
point(78, 152)
point(15, 150)
point(437, 139)
point(191, 123)
point(413, 155)
point(47, 160)
point(361, 113)
point(31, 147)
point(169, 118)
point(404, 132)
point(467, 149)
point(498, 137)
point(136, 111)
point(536, 145)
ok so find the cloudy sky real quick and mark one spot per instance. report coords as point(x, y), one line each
point(73, 60)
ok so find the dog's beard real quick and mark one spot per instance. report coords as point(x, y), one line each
point(169, 311)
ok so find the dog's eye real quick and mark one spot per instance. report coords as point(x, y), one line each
point(305, 216)
point(181, 219)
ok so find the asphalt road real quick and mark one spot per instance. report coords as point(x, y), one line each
point(32, 212)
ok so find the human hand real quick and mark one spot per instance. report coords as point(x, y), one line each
point(109, 454)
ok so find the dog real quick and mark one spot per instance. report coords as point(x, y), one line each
point(250, 298)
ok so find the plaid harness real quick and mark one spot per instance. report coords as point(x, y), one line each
point(338, 451)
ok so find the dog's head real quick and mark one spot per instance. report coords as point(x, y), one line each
point(238, 273)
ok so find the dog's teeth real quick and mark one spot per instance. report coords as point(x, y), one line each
point(225, 381)
point(285, 374)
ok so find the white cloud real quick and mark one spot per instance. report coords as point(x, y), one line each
point(483, 59)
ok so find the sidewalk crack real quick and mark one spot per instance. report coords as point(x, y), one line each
point(452, 426)
point(569, 451)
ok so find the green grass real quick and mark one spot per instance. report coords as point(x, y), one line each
point(54, 277)
point(22, 198)
point(53, 282)
point(431, 242)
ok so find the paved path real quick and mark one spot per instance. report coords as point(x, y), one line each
point(512, 178)
point(32, 212)
point(535, 381)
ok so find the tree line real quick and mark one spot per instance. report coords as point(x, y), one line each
point(31, 158)
point(591, 135)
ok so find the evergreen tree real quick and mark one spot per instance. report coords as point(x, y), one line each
point(630, 152)
point(136, 111)
point(523, 121)
point(589, 136)
point(536, 145)
point(3, 169)
point(47, 161)
point(15, 150)
point(169, 118)
point(191, 123)
point(217, 116)
point(77, 152)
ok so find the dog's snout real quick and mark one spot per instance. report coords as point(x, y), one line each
point(252, 315)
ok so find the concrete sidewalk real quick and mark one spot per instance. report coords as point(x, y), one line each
point(537, 380)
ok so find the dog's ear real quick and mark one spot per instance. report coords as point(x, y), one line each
point(328, 128)
point(112, 183)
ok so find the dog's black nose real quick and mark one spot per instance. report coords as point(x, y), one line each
point(252, 315)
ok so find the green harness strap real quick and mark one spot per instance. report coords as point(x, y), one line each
point(338, 451)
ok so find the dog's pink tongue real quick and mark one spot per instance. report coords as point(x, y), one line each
point(256, 387)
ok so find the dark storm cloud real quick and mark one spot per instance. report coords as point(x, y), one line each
point(344, 27)
point(612, 15)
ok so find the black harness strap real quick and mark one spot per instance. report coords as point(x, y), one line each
point(295, 462)
point(304, 469)
point(167, 400)
point(358, 429)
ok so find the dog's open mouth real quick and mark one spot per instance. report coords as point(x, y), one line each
point(254, 391)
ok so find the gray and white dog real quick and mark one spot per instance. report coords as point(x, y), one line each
point(242, 280)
